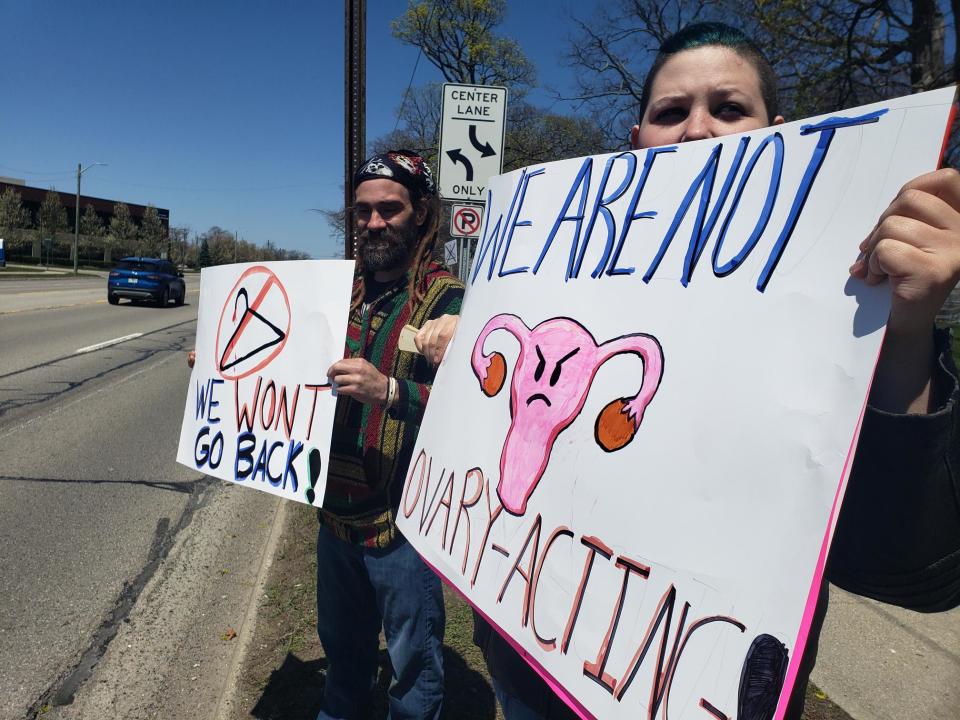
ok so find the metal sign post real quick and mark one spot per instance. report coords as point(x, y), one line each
point(465, 221)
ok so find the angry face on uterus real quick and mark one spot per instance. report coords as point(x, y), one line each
point(554, 371)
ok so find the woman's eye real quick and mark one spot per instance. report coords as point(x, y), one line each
point(730, 111)
point(671, 114)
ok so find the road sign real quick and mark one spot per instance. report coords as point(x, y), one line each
point(465, 220)
point(471, 139)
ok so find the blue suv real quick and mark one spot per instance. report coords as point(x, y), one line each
point(141, 278)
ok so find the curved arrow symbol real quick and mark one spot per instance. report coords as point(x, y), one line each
point(485, 150)
point(458, 156)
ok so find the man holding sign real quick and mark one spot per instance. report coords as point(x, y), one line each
point(368, 576)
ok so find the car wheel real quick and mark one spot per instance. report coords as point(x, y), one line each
point(112, 299)
point(164, 298)
point(181, 297)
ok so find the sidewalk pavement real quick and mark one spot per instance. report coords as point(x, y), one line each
point(880, 662)
point(19, 270)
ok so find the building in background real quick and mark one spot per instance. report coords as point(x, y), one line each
point(32, 198)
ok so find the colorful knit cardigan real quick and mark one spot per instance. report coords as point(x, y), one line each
point(371, 449)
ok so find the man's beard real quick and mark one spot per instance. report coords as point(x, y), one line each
point(389, 248)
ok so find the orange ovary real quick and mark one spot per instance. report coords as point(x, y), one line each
point(614, 428)
point(496, 374)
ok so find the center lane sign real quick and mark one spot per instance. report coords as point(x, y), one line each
point(471, 139)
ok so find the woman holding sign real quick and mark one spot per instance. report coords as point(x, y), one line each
point(898, 535)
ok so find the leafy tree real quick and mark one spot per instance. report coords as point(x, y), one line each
point(13, 217)
point(457, 36)
point(151, 234)
point(90, 223)
point(222, 246)
point(91, 227)
point(203, 257)
point(537, 136)
point(52, 220)
point(123, 232)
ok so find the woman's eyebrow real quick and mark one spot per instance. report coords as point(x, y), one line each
point(667, 99)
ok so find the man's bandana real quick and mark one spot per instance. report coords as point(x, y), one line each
point(401, 166)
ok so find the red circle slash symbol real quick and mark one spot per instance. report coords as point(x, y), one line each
point(254, 324)
point(466, 221)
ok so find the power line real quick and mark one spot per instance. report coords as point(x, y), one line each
point(65, 173)
point(407, 91)
point(416, 63)
point(251, 188)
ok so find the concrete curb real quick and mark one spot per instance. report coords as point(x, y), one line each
point(226, 705)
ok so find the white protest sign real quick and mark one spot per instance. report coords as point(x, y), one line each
point(259, 409)
point(635, 447)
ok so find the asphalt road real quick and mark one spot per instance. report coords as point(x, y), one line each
point(102, 534)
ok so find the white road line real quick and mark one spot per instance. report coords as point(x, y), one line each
point(106, 343)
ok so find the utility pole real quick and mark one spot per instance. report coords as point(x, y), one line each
point(355, 47)
point(76, 217)
point(76, 224)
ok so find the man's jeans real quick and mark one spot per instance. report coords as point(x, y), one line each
point(358, 589)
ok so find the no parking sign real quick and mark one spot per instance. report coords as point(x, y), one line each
point(465, 220)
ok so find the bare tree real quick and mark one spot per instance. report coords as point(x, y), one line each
point(827, 54)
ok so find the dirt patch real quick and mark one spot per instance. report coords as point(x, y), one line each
point(282, 676)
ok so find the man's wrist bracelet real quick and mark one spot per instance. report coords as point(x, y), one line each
point(391, 392)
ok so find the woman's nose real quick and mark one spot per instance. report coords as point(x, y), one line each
point(698, 125)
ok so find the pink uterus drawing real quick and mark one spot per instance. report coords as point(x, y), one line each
point(554, 371)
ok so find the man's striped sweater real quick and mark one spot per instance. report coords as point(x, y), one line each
point(371, 449)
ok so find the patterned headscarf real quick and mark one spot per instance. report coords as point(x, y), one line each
point(402, 166)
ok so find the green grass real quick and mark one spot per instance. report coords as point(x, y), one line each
point(22, 269)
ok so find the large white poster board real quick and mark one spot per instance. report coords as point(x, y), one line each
point(259, 408)
point(635, 448)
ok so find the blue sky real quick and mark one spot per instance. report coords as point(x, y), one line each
point(227, 113)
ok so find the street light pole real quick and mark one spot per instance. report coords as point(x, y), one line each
point(76, 217)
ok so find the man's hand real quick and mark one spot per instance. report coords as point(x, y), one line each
point(357, 378)
point(434, 336)
point(191, 358)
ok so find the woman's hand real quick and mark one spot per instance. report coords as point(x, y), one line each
point(191, 358)
point(434, 336)
point(357, 378)
point(916, 247)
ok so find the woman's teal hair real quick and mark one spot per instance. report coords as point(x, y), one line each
point(719, 35)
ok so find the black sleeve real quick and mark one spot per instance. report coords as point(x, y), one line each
point(898, 535)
